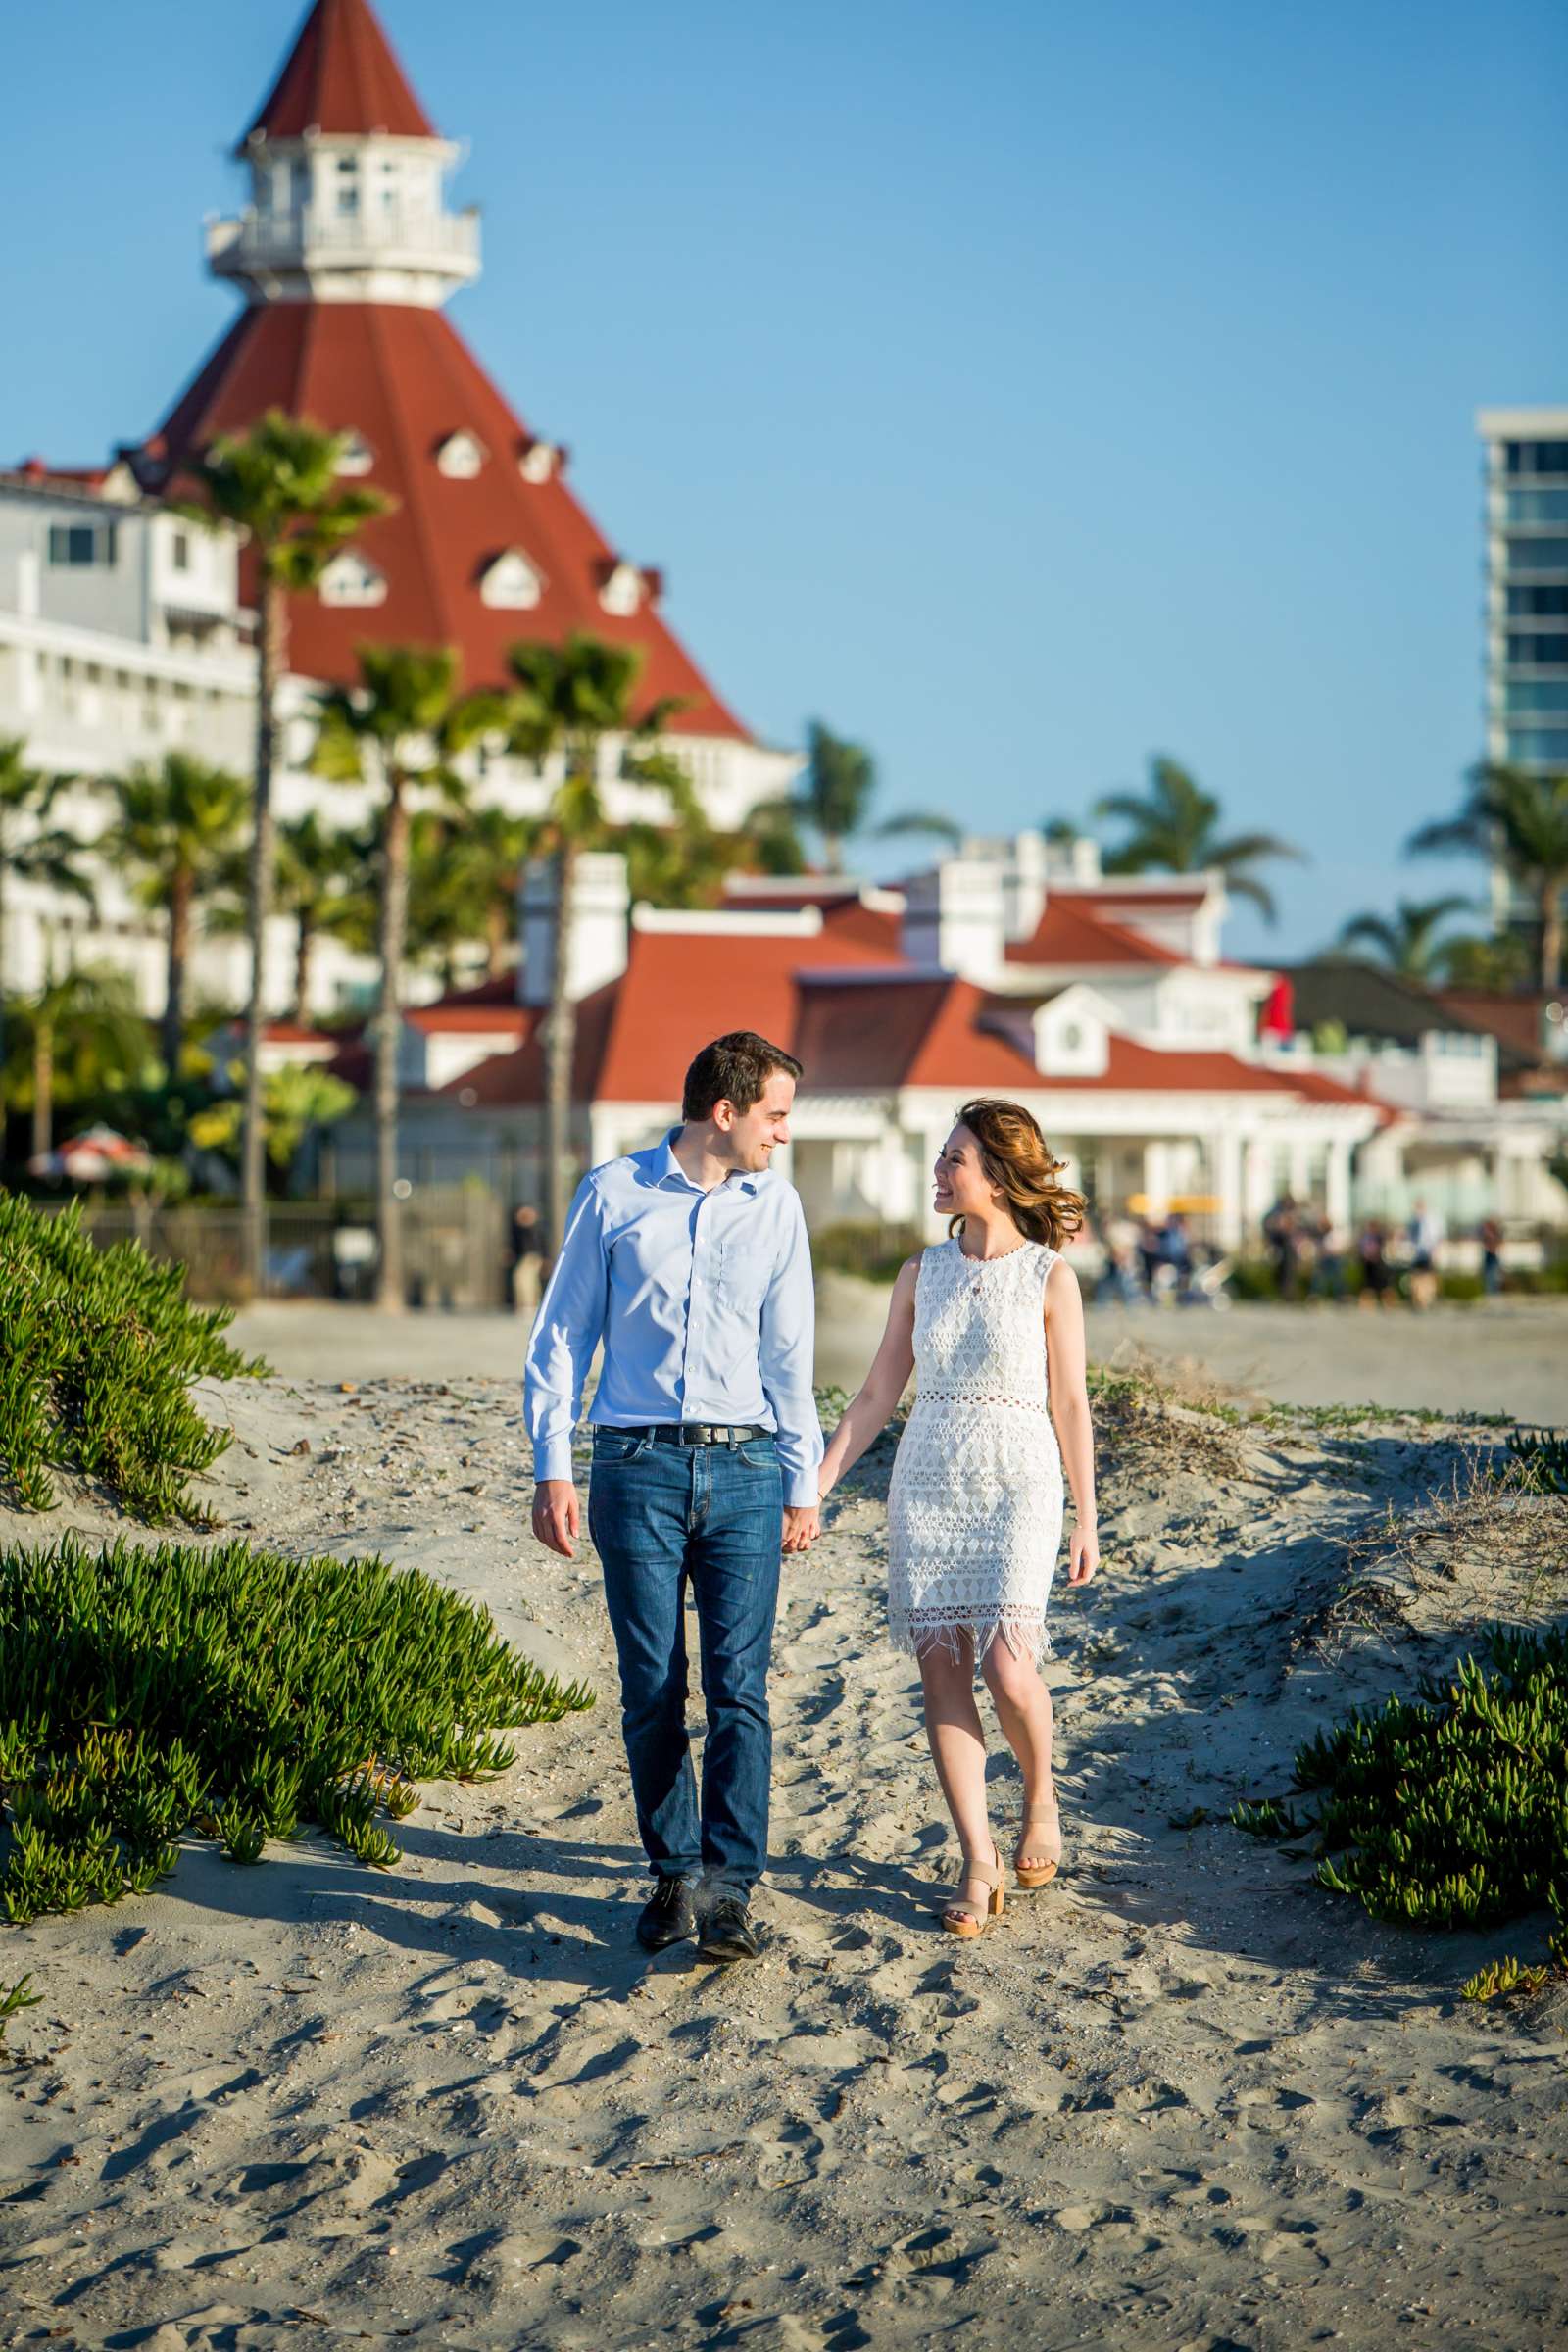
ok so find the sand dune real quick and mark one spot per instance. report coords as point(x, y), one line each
point(1181, 2099)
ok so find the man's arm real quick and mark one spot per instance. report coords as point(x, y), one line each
point(565, 1331)
point(786, 1359)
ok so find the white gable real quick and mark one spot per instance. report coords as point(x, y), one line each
point(1072, 1035)
point(512, 582)
point(539, 461)
point(352, 579)
point(622, 592)
point(460, 456)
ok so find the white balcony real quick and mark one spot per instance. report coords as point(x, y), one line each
point(377, 240)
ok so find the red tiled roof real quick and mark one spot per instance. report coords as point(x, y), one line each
point(451, 1016)
point(1116, 893)
point(342, 75)
point(1069, 931)
point(403, 380)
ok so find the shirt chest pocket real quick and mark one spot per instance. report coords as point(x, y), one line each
point(745, 1271)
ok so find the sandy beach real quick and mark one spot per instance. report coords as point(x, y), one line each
point(1181, 2099)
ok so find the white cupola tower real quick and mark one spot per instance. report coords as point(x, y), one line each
point(348, 197)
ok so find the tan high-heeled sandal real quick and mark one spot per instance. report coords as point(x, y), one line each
point(1039, 1873)
point(957, 1919)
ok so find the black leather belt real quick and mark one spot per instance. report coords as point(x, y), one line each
point(692, 1432)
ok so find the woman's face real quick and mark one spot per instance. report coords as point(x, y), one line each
point(962, 1186)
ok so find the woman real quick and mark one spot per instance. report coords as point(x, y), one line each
point(974, 1509)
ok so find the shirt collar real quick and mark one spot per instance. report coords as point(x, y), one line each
point(668, 1169)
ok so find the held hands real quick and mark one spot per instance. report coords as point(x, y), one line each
point(1082, 1554)
point(557, 1515)
point(802, 1524)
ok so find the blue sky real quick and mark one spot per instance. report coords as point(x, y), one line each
point(1022, 387)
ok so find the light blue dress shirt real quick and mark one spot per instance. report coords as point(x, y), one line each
point(703, 1301)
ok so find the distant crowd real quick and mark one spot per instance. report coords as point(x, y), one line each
point(1310, 1255)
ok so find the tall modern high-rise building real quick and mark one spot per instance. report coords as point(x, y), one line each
point(1527, 585)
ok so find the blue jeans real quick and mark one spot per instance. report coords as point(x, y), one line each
point(657, 1515)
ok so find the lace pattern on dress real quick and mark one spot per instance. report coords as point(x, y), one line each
point(975, 1504)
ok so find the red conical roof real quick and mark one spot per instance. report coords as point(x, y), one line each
point(406, 382)
point(342, 77)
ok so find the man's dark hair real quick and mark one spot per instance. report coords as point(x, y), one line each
point(734, 1068)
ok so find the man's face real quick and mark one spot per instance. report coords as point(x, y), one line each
point(752, 1134)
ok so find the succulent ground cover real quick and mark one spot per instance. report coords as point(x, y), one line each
point(235, 1693)
point(97, 1348)
point(1448, 1809)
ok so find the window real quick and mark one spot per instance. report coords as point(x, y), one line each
point(1536, 505)
point(1537, 604)
point(460, 456)
point(1536, 457)
point(180, 552)
point(510, 581)
point(1547, 696)
point(1538, 555)
point(622, 591)
point(538, 460)
point(74, 544)
point(1538, 746)
point(352, 579)
point(1530, 651)
point(348, 184)
point(356, 456)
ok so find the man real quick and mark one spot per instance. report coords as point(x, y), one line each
point(691, 1262)
point(527, 1260)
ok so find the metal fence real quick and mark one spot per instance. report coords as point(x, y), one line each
point(454, 1246)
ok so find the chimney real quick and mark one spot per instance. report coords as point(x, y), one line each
point(597, 951)
point(954, 917)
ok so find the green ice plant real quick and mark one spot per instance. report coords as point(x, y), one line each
point(97, 1348)
point(150, 1692)
point(1450, 1809)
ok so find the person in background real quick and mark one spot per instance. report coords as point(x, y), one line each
point(1329, 1246)
point(1425, 1236)
point(1377, 1275)
point(1176, 1252)
point(1281, 1237)
point(1491, 1256)
point(527, 1260)
point(1119, 1281)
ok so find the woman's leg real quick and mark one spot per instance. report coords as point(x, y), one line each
point(1023, 1709)
point(958, 1751)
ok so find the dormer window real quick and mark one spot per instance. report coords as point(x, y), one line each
point(511, 582)
point(460, 456)
point(622, 591)
point(539, 461)
point(356, 456)
point(352, 579)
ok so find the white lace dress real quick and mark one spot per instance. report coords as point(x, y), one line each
point(974, 1509)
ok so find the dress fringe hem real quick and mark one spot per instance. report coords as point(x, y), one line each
point(1025, 1635)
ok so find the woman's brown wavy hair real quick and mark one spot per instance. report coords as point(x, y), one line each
point(1018, 1161)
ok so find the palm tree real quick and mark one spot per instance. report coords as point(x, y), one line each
point(834, 796)
point(175, 829)
point(1174, 828)
point(567, 699)
point(32, 850)
point(278, 485)
point(398, 731)
point(1494, 967)
point(319, 883)
point(1521, 818)
point(464, 874)
point(1405, 940)
point(79, 1035)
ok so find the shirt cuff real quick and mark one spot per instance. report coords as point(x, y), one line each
point(552, 1459)
point(800, 1489)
